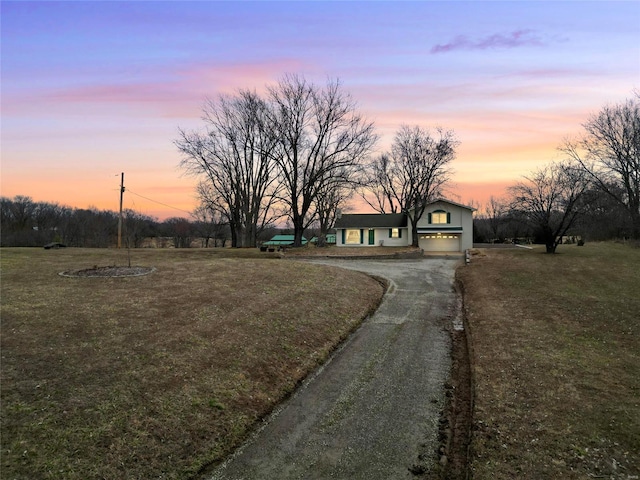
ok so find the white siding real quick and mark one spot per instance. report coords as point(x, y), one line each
point(380, 235)
point(466, 242)
point(459, 217)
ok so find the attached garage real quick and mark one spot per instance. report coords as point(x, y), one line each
point(440, 242)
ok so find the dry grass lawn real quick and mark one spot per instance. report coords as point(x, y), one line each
point(556, 362)
point(160, 375)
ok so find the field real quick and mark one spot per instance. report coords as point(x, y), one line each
point(157, 376)
point(555, 362)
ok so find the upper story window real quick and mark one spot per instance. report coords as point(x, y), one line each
point(440, 217)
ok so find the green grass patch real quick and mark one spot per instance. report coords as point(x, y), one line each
point(157, 376)
point(556, 362)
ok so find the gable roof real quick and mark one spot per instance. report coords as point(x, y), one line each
point(444, 200)
point(372, 220)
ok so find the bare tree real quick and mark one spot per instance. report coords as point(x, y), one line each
point(322, 141)
point(236, 159)
point(604, 218)
point(137, 227)
point(180, 229)
point(413, 174)
point(496, 210)
point(609, 151)
point(327, 206)
point(18, 220)
point(552, 199)
point(210, 225)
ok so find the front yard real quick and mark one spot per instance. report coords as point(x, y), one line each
point(160, 375)
point(556, 362)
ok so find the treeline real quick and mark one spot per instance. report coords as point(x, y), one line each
point(602, 219)
point(26, 223)
point(593, 192)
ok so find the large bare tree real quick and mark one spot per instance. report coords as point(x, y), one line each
point(322, 141)
point(412, 174)
point(551, 199)
point(327, 206)
point(609, 151)
point(236, 162)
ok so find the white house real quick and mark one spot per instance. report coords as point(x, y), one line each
point(372, 229)
point(445, 226)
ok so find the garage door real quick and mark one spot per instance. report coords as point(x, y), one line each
point(440, 243)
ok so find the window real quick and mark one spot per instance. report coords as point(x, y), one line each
point(395, 233)
point(438, 236)
point(439, 216)
point(352, 237)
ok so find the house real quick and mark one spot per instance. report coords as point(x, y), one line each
point(445, 226)
point(372, 229)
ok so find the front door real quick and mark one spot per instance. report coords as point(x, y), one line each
point(372, 237)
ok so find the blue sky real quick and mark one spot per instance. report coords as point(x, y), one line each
point(92, 89)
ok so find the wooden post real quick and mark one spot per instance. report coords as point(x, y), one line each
point(120, 217)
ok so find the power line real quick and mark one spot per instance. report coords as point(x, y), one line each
point(159, 203)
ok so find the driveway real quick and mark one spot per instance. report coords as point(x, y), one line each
point(372, 411)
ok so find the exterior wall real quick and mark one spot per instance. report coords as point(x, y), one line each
point(380, 235)
point(466, 243)
point(459, 217)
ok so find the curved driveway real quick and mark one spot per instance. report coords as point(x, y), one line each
point(372, 411)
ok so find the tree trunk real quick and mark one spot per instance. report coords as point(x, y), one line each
point(635, 225)
point(298, 229)
point(414, 236)
point(248, 238)
point(297, 235)
point(322, 240)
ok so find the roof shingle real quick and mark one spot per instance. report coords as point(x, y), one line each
point(372, 220)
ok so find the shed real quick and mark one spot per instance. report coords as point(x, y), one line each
point(282, 241)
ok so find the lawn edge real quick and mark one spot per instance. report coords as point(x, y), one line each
point(208, 470)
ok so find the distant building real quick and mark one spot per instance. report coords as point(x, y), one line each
point(330, 239)
point(282, 241)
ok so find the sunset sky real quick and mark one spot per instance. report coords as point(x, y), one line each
point(92, 89)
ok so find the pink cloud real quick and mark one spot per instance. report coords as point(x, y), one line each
point(172, 94)
point(518, 38)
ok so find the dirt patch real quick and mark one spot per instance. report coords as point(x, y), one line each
point(455, 424)
point(109, 272)
point(456, 421)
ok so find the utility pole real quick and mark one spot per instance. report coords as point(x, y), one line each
point(120, 218)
